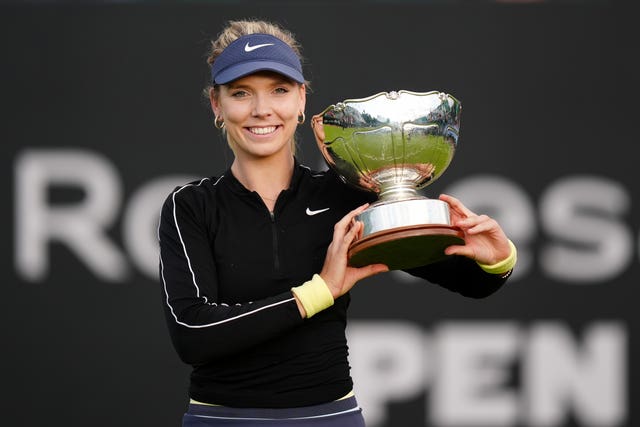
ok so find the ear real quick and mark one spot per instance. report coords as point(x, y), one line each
point(303, 96)
point(213, 100)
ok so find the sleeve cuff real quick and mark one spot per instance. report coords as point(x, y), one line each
point(314, 295)
point(504, 266)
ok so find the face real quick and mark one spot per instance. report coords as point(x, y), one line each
point(260, 113)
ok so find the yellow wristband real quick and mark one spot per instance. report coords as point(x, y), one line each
point(314, 295)
point(503, 266)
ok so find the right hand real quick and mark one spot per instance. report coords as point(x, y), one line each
point(336, 273)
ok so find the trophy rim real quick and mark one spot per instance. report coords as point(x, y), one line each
point(387, 93)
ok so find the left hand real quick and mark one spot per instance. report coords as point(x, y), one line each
point(485, 241)
point(336, 272)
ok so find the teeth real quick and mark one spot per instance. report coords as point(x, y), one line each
point(263, 130)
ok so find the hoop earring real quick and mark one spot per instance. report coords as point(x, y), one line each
point(301, 118)
point(218, 122)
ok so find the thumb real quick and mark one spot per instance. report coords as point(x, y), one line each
point(463, 250)
point(371, 270)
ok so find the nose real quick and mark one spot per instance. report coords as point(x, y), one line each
point(261, 106)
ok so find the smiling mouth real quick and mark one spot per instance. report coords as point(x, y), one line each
point(262, 130)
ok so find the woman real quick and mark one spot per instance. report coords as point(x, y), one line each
point(254, 261)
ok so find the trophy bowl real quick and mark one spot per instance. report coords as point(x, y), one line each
point(394, 144)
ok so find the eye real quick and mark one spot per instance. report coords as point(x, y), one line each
point(281, 90)
point(238, 93)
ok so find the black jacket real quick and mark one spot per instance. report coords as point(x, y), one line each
point(227, 266)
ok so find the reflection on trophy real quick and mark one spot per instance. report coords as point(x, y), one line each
point(395, 144)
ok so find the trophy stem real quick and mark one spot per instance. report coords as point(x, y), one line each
point(401, 191)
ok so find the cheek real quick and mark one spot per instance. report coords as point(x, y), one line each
point(234, 115)
point(292, 111)
point(233, 111)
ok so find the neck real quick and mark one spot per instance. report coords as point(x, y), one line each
point(268, 177)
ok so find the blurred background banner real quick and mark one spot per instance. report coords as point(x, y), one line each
point(103, 115)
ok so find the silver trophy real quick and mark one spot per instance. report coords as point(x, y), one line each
point(394, 144)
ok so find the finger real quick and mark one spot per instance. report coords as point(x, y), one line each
point(471, 221)
point(456, 205)
point(358, 210)
point(459, 250)
point(353, 233)
point(483, 227)
point(378, 268)
point(360, 231)
point(359, 228)
point(478, 224)
point(351, 215)
point(369, 270)
point(354, 213)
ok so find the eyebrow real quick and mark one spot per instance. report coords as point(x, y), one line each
point(278, 79)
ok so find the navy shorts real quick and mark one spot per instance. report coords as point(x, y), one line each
point(343, 413)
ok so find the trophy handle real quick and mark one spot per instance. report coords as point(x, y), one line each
point(318, 129)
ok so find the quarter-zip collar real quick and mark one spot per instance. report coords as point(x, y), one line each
point(236, 186)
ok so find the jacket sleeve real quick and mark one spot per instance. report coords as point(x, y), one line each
point(201, 327)
point(462, 275)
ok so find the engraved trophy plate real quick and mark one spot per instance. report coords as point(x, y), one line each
point(394, 144)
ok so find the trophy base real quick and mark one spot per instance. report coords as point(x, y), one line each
point(405, 247)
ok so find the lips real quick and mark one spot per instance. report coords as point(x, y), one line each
point(262, 130)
